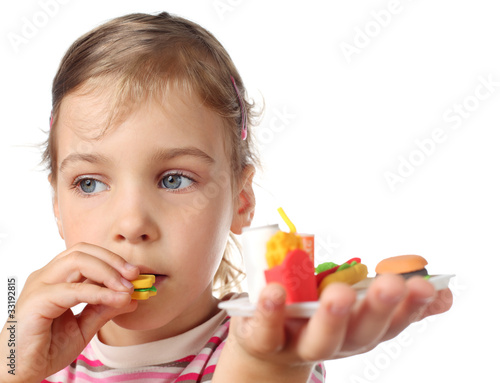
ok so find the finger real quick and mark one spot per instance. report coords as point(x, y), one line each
point(420, 294)
point(114, 260)
point(93, 317)
point(370, 322)
point(442, 302)
point(54, 300)
point(74, 332)
point(78, 266)
point(325, 332)
point(264, 332)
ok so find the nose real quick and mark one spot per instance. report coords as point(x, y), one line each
point(134, 221)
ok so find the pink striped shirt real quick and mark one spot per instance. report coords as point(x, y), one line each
point(190, 357)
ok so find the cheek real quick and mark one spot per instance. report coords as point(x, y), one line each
point(205, 238)
point(78, 225)
point(202, 238)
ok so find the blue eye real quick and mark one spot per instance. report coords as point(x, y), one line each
point(91, 185)
point(175, 182)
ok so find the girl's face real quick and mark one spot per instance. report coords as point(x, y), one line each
point(156, 190)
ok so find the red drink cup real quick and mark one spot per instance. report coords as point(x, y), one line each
point(308, 244)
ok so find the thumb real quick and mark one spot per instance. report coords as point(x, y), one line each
point(93, 317)
point(264, 332)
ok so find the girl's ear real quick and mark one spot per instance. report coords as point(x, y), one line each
point(55, 206)
point(245, 206)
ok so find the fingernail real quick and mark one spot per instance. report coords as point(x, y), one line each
point(269, 305)
point(339, 310)
point(278, 297)
point(273, 300)
point(127, 283)
point(128, 266)
point(390, 298)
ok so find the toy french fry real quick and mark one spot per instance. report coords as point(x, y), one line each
point(296, 275)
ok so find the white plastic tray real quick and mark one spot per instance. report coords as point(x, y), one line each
point(244, 308)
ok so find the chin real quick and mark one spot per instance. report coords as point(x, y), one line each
point(143, 319)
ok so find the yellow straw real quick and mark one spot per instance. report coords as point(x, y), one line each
point(291, 226)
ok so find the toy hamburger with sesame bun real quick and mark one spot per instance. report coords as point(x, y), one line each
point(405, 265)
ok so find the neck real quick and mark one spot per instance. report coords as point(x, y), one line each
point(204, 308)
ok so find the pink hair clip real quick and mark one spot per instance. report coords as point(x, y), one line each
point(243, 111)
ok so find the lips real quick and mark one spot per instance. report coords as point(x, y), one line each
point(159, 278)
point(149, 271)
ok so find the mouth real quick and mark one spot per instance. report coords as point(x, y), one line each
point(149, 271)
point(159, 278)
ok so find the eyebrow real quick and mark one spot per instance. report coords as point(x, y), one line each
point(158, 156)
point(168, 154)
point(80, 157)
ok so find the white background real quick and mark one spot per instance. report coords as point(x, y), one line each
point(346, 120)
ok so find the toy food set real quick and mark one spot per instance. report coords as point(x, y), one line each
point(274, 256)
point(143, 287)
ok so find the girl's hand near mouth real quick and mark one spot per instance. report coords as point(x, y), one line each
point(51, 336)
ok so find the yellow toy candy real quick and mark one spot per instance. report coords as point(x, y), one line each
point(143, 287)
point(351, 275)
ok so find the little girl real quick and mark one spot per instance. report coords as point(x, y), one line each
point(151, 162)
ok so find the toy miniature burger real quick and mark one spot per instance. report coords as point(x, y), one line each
point(143, 287)
point(405, 265)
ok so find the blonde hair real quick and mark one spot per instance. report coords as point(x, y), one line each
point(139, 56)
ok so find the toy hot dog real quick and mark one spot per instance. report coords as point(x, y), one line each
point(350, 272)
